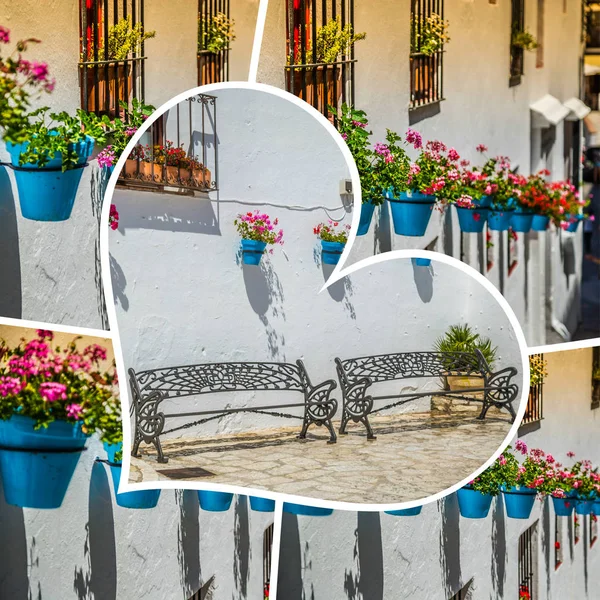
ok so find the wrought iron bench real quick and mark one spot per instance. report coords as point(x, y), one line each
point(152, 387)
point(357, 375)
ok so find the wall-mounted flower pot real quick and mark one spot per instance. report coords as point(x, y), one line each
point(252, 251)
point(36, 466)
point(499, 219)
point(331, 252)
point(214, 501)
point(411, 212)
point(473, 504)
point(574, 225)
point(540, 223)
point(142, 499)
point(262, 504)
point(563, 507)
point(519, 502)
point(422, 262)
point(405, 512)
point(584, 505)
point(471, 220)
point(596, 507)
point(46, 193)
point(310, 511)
point(366, 215)
point(521, 220)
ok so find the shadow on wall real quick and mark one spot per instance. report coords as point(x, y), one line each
point(367, 581)
point(99, 580)
point(423, 278)
point(188, 537)
point(119, 283)
point(98, 183)
point(241, 559)
point(289, 584)
point(450, 545)
point(10, 260)
point(498, 547)
point(14, 581)
point(382, 238)
point(547, 544)
point(341, 290)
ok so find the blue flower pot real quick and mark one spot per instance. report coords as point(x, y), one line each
point(572, 228)
point(596, 507)
point(366, 215)
point(519, 502)
point(471, 220)
point(521, 220)
point(214, 501)
point(141, 500)
point(484, 202)
point(473, 504)
point(405, 512)
point(411, 212)
point(585, 505)
point(563, 507)
point(331, 252)
point(309, 511)
point(46, 193)
point(31, 477)
point(262, 504)
point(422, 262)
point(252, 251)
point(499, 219)
point(540, 223)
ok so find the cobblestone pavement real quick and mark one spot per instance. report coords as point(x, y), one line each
point(414, 456)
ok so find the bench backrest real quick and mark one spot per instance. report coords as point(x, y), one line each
point(191, 380)
point(406, 365)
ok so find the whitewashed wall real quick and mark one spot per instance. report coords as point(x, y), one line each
point(51, 271)
point(479, 107)
point(381, 557)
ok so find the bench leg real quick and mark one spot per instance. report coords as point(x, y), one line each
point(344, 423)
point(135, 451)
point(161, 457)
point(365, 421)
point(305, 424)
point(332, 437)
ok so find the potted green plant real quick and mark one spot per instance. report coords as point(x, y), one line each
point(522, 38)
point(215, 34)
point(475, 499)
point(124, 40)
point(333, 238)
point(537, 370)
point(463, 339)
point(256, 230)
point(53, 399)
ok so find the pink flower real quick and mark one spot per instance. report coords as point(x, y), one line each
point(39, 71)
point(95, 352)
point(74, 411)
point(502, 459)
point(344, 136)
point(521, 446)
point(414, 137)
point(577, 484)
point(130, 131)
point(4, 35)
point(10, 386)
point(464, 201)
point(453, 155)
point(482, 148)
point(45, 334)
point(52, 391)
point(107, 158)
point(571, 454)
point(381, 149)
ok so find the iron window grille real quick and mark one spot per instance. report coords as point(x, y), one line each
point(106, 81)
point(323, 85)
point(517, 54)
point(213, 67)
point(535, 403)
point(178, 153)
point(527, 562)
point(426, 67)
point(596, 378)
point(267, 556)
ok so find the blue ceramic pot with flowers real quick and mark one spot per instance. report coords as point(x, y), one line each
point(472, 504)
point(522, 220)
point(252, 251)
point(411, 211)
point(367, 209)
point(214, 501)
point(262, 504)
point(518, 501)
point(331, 252)
point(585, 503)
point(310, 511)
point(405, 512)
point(472, 220)
point(573, 223)
point(563, 507)
point(540, 222)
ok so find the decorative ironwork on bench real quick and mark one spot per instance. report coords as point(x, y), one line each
point(357, 376)
point(152, 387)
point(179, 151)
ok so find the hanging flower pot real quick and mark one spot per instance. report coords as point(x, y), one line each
point(142, 499)
point(215, 501)
point(519, 501)
point(405, 512)
point(46, 193)
point(585, 504)
point(596, 507)
point(422, 262)
point(573, 223)
point(366, 215)
point(473, 504)
point(333, 238)
point(310, 511)
point(499, 219)
point(563, 507)
point(411, 212)
point(256, 230)
point(540, 223)
point(252, 251)
point(521, 220)
point(262, 504)
point(331, 252)
point(36, 466)
point(472, 220)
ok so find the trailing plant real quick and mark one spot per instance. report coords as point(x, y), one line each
point(461, 338)
point(523, 39)
point(332, 232)
point(216, 33)
point(48, 383)
point(259, 227)
point(429, 34)
point(537, 370)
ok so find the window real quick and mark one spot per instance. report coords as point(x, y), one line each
point(593, 529)
point(528, 563)
point(558, 549)
point(516, 52)
point(539, 58)
point(178, 153)
point(596, 378)
point(215, 32)
point(267, 557)
point(535, 403)
point(320, 73)
point(111, 64)
point(427, 36)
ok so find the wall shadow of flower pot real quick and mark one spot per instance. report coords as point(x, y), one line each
point(423, 278)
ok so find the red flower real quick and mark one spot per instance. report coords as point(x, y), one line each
point(557, 545)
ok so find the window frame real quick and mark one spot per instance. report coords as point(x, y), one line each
point(534, 413)
point(595, 382)
point(527, 561)
point(212, 67)
point(517, 54)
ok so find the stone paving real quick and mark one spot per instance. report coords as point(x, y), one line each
point(414, 456)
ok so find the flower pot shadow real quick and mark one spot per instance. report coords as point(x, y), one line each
point(188, 540)
point(10, 265)
point(14, 579)
point(341, 290)
point(547, 542)
point(99, 580)
point(498, 567)
point(423, 278)
point(99, 181)
point(241, 559)
point(382, 238)
point(119, 283)
point(290, 579)
point(450, 545)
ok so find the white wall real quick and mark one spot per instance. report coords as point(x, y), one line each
point(382, 557)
